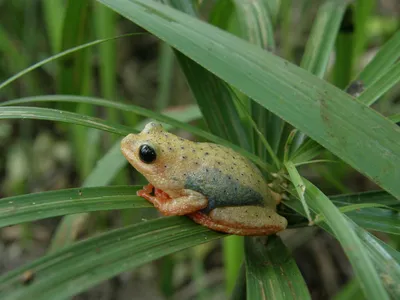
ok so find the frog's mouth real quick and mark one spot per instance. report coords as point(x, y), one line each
point(128, 148)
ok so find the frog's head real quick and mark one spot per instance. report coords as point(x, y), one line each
point(145, 151)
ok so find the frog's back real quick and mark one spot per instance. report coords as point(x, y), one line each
point(226, 178)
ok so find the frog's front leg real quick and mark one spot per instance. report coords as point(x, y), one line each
point(186, 202)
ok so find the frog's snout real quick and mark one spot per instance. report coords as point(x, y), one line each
point(127, 146)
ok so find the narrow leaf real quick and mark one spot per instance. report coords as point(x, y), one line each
point(381, 86)
point(144, 112)
point(31, 207)
point(293, 94)
point(64, 273)
point(37, 113)
point(271, 271)
point(322, 37)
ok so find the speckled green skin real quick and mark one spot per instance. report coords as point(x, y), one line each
point(222, 190)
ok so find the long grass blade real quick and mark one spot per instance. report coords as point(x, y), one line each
point(322, 38)
point(381, 86)
point(64, 273)
point(345, 233)
point(271, 271)
point(143, 112)
point(31, 207)
point(312, 105)
point(383, 60)
point(36, 113)
point(58, 55)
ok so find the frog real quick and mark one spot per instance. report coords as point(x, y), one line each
point(212, 184)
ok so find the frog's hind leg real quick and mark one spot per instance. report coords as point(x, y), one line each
point(243, 220)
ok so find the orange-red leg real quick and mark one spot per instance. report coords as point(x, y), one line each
point(159, 198)
point(179, 206)
point(237, 229)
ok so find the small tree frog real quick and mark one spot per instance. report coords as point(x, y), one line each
point(212, 184)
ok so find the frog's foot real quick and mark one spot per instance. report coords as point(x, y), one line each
point(154, 195)
point(247, 220)
point(189, 202)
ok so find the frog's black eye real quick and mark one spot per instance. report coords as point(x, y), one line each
point(147, 154)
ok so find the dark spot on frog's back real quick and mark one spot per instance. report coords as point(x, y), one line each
point(222, 190)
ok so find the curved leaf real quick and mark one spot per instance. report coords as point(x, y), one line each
point(132, 108)
point(320, 110)
point(355, 250)
point(383, 60)
point(380, 197)
point(213, 95)
point(271, 271)
point(74, 269)
point(381, 86)
point(37, 113)
point(30, 207)
point(58, 55)
point(322, 38)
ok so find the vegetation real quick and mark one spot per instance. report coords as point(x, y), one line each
point(291, 94)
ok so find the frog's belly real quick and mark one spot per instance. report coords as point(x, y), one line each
point(221, 190)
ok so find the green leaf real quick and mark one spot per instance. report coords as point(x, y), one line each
point(216, 101)
point(381, 86)
point(233, 258)
point(256, 27)
point(343, 67)
point(350, 291)
point(76, 268)
point(273, 8)
point(254, 19)
point(166, 63)
point(383, 60)
point(346, 233)
point(380, 197)
point(239, 291)
point(307, 151)
point(271, 271)
point(385, 259)
point(322, 37)
point(37, 113)
point(318, 49)
point(325, 113)
point(377, 219)
point(395, 118)
point(73, 69)
point(363, 10)
point(56, 56)
point(221, 14)
point(299, 187)
point(53, 11)
point(31, 207)
point(105, 25)
point(384, 220)
point(214, 98)
point(213, 95)
point(140, 111)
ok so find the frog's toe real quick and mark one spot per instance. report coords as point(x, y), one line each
point(243, 220)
